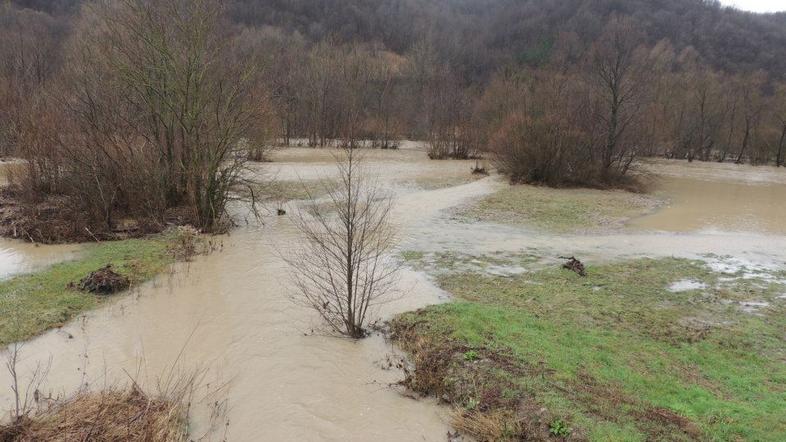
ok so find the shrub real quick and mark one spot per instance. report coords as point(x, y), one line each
point(541, 151)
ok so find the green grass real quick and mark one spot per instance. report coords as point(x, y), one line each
point(616, 355)
point(560, 210)
point(288, 190)
point(31, 304)
point(440, 182)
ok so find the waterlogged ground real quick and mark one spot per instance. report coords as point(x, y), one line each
point(271, 376)
point(644, 349)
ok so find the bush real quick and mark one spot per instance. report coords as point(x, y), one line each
point(541, 151)
point(550, 151)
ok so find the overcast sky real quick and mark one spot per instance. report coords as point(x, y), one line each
point(757, 5)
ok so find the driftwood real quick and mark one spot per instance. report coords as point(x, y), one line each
point(574, 265)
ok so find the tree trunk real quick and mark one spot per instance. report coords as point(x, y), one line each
point(779, 160)
point(745, 140)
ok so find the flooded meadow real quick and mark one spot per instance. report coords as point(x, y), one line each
point(270, 372)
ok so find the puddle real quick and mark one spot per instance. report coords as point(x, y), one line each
point(18, 257)
point(718, 206)
point(753, 307)
point(686, 285)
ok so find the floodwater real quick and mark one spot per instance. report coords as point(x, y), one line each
point(718, 197)
point(17, 256)
point(230, 312)
point(22, 257)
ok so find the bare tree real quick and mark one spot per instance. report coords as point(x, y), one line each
point(618, 75)
point(153, 111)
point(780, 116)
point(342, 271)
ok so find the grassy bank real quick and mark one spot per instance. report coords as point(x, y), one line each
point(560, 210)
point(33, 303)
point(618, 355)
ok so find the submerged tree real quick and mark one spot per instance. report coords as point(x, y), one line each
point(342, 271)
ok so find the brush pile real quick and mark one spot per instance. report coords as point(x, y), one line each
point(104, 281)
point(575, 265)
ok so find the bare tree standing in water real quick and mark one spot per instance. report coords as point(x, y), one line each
point(341, 271)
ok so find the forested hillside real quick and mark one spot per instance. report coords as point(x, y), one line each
point(483, 34)
point(479, 36)
point(600, 81)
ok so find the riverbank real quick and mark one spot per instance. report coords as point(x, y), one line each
point(648, 349)
point(109, 415)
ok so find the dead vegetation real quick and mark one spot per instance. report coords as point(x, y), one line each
point(469, 380)
point(111, 415)
point(574, 265)
point(186, 242)
point(150, 113)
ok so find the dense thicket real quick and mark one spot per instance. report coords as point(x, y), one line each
point(149, 108)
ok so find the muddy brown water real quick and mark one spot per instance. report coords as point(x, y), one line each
point(17, 256)
point(718, 197)
point(230, 312)
point(22, 257)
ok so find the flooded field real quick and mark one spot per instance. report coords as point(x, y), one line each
point(718, 197)
point(230, 312)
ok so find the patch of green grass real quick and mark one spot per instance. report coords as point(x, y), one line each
point(441, 182)
point(560, 210)
point(297, 190)
point(289, 190)
point(31, 304)
point(615, 355)
point(412, 255)
point(452, 261)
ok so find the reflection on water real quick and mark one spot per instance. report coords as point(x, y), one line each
point(720, 205)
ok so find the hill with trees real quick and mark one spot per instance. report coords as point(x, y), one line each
point(559, 92)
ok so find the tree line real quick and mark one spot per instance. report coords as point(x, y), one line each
point(149, 106)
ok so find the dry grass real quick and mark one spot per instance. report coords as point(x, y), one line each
point(111, 415)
